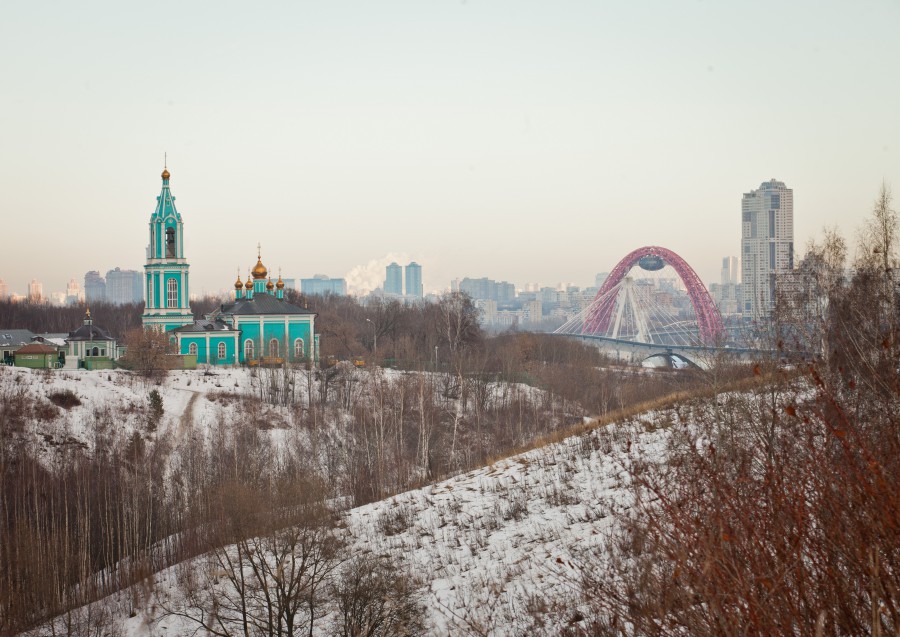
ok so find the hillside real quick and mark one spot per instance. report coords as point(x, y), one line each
point(493, 551)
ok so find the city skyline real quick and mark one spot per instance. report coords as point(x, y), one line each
point(515, 141)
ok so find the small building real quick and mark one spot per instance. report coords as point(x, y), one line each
point(91, 346)
point(37, 356)
point(12, 340)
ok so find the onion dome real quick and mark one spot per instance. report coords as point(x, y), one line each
point(165, 173)
point(259, 271)
point(249, 284)
point(239, 285)
point(270, 286)
point(280, 284)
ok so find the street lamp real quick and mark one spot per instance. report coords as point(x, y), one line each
point(374, 337)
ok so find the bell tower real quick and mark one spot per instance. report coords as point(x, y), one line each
point(166, 300)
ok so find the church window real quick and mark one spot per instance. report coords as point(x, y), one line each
point(170, 242)
point(298, 348)
point(248, 350)
point(172, 293)
point(192, 349)
point(221, 352)
point(95, 351)
point(273, 347)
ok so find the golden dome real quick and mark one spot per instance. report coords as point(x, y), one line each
point(238, 284)
point(249, 284)
point(280, 284)
point(259, 270)
point(270, 286)
point(165, 173)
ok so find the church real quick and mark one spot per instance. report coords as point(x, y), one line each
point(257, 327)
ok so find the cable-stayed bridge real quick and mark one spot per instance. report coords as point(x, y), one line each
point(631, 320)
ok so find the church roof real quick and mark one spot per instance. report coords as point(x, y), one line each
point(165, 203)
point(89, 333)
point(14, 338)
point(204, 326)
point(262, 303)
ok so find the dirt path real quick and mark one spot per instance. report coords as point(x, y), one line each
point(186, 422)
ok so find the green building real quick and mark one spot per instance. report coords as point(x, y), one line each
point(37, 356)
point(258, 327)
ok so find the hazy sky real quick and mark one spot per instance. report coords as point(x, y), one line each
point(524, 141)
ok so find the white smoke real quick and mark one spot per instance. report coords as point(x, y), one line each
point(362, 279)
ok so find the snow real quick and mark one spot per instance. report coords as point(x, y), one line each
point(486, 547)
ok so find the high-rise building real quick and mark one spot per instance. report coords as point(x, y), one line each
point(321, 284)
point(393, 279)
point(124, 286)
point(94, 288)
point(484, 288)
point(729, 270)
point(767, 245)
point(73, 292)
point(4, 289)
point(35, 291)
point(414, 280)
point(727, 293)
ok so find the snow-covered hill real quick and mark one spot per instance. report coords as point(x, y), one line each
point(494, 551)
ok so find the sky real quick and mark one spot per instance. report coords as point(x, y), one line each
point(527, 141)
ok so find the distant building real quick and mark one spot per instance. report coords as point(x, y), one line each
point(4, 289)
point(290, 284)
point(727, 293)
point(321, 284)
point(94, 288)
point(35, 291)
point(393, 279)
point(767, 245)
point(600, 279)
point(73, 292)
point(124, 286)
point(484, 288)
point(414, 280)
point(454, 285)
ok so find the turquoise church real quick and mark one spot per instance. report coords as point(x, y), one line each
point(258, 327)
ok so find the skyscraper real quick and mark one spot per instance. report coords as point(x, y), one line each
point(393, 279)
point(414, 280)
point(767, 245)
point(4, 289)
point(94, 287)
point(73, 292)
point(124, 286)
point(35, 291)
point(729, 270)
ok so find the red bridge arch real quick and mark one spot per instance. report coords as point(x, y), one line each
point(708, 317)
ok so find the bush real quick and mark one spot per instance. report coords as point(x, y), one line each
point(64, 398)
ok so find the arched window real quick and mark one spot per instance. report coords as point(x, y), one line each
point(170, 242)
point(95, 351)
point(248, 350)
point(221, 352)
point(192, 349)
point(273, 348)
point(172, 293)
point(298, 348)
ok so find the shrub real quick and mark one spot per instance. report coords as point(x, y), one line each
point(64, 398)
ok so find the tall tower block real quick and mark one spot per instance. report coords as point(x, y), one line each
point(767, 245)
point(166, 280)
